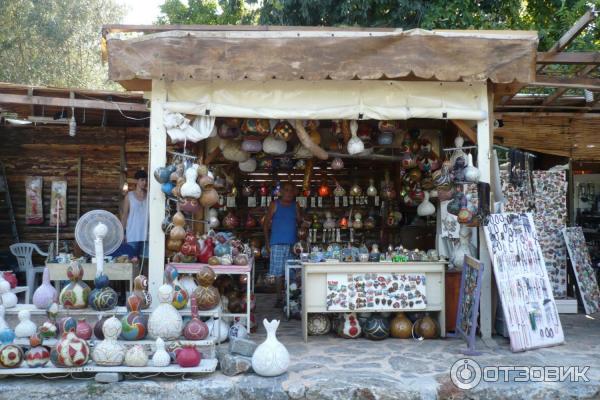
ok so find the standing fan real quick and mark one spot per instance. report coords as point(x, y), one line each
point(97, 233)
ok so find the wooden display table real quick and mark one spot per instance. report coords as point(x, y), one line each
point(315, 287)
point(114, 271)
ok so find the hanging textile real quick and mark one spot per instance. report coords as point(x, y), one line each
point(34, 213)
point(58, 200)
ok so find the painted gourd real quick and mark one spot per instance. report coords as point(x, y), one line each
point(190, 245)
point(75, 294)
point(209, 197)
point(45, 294)
point(83, 329)
point(7, 298)
point(371, 190)
point(140, 289)
point(70, 351)
point(426, 208)
point(178, 232)
point(165, 321)
point(349, 328)
point(377, 327)
point(471, 172)
point(270, 358)
point(103, 297)
point(180, 295)
point(190, 188)
point(133, 324)
point(401, 327)
point(37, 355)
point(11, 356)
point(188, 357)
point(355, 145)
point(207, 296)
point(26, 327)
point(195, 329)
point(136, 356)
point(318, 324)
point(274, 146)
point(206, 250)
point(426, 327)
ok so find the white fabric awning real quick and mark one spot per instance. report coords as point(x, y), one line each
point(381, 100)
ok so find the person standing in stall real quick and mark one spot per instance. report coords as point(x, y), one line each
point(282, 219)
point(134, 215)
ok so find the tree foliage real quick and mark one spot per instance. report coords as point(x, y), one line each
point(551, 18)
point(55, 42)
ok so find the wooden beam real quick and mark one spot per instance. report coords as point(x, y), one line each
point(570, 58)
point(560, 91)
point(465, 128)
point(566, 82)
point(66, 102)
point(527, 114)
point(571, 34)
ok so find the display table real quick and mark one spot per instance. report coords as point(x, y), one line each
point(114, 271)
point(315, 287)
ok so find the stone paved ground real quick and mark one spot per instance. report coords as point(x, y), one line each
point(332, 368)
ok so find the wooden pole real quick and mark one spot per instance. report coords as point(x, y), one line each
point(484, 149)
point(158, 158)
point(79, 162)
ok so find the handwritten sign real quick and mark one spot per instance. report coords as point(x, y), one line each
point(527, 300)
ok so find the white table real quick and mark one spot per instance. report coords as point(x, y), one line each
point(314, 286)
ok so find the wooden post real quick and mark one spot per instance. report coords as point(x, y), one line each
point(484, 152)
point(156, 205)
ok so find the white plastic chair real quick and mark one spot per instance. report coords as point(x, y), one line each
point(23, 253)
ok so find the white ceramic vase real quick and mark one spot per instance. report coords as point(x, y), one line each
point(161, 358)
point(426, 208)
point(109, 352)
point(165, 321)
point(471, 172)
point(271, 358)
point(26, 326)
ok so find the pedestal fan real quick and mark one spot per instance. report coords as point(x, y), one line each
point(98, 233)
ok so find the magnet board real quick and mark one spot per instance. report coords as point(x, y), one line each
point(468, 302)
point(523, 285)
point(58, 203)
point(376, 292)
point(582, 267)
point(34, 213)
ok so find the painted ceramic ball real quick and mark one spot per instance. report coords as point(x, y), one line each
point(377, 328)
point(11, 356)
point(318, 324)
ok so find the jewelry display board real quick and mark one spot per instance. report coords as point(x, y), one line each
point(582, 266)
point(376, 291)
point(527, 300)
point(468, 302)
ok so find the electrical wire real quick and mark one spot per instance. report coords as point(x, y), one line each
point(116, 105)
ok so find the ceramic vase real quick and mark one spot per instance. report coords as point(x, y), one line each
point(318, 324)
point(349, 328)
point(426, 327)
point(161, 358)
point(195, 329)
point(140, 289)
point(271, 358)
point(133, 324)
point(75, 294)
point(11, 356)
point(377, 327)
point(83, 330)
point(37, 355)
point(471, 172)
point(70, 351)
point(165, 321)
point(26, 327)
point(103, 297)
point(109, 352)
point(207, 296)
point(45, 294)
point(426, 208)
point(8, 298)
point(188, 357)
point(401, 327)
point(180, 295)
point(136, 356)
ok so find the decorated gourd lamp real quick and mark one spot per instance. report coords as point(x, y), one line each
point(75, 294)
point(165, 321)
point(206, 295)
point(109, 353)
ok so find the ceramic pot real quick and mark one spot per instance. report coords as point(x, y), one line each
point(318, 324)
point(377, 327)
point(70, 351)
point(75, 294)
point(195, 329)
point(83, 330)
point(133, 324)
point(165, 321)
point(37, 355)
point(11, 356)
point(349, 328)
point(207, 296)
point(26, 327)
point(103, 297)
point(109, 352)
point(188, 357)
point(426, 327)
point(401, 327)
point(270, 358)
point(45, 294)
point(426, 208)
point(136, 356)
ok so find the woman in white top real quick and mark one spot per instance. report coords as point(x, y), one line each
point(134, 216)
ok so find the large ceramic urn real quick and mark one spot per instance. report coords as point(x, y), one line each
point(207, 296)
point(165, 321)
point(75, 294)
